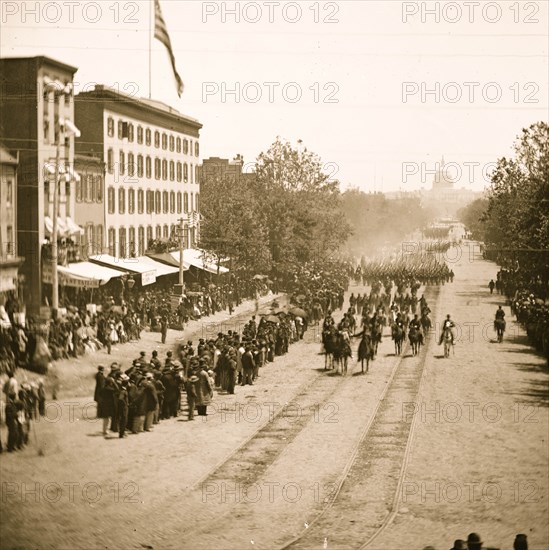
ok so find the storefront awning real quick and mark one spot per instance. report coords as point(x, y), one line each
point(73, 228)
point(148, 268)
point(195, 258)
point(81, 275)
point(166, 258)
point(65, 227)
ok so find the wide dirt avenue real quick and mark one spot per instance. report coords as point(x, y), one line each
point(419, 451)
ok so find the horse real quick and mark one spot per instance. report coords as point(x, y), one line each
point(377, 334)
point(425, 323)
point(499, 327)
point(398, 334)
point(448, 340)
point(365, 351)
point(341, 353)
point(415, 337)
point(329, 344)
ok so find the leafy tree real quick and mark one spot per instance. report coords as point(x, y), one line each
point(472, 217)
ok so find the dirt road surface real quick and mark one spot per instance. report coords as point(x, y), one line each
point(420, 450)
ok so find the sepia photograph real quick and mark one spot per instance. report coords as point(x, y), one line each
point(300, 249)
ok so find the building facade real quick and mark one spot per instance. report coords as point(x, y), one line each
point(9, 261)
point(37, 100)
point(216, 167)
point(89, 210)
point(151, 153)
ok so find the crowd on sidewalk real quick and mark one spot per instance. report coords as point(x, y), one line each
point(113, 319)
point(24, 403)
point(474, 542)
point(529, 302)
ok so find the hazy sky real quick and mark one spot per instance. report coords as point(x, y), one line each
point(345, 77)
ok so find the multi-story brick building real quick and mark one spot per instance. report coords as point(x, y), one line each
point(36, 100)
point(151, 153)
point(9, 261)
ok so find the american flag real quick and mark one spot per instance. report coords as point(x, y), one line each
point(161, 32)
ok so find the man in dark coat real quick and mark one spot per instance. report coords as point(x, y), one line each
point(105, 405)
point(114, 375)
point(164, 328)
point(151, 400)
point(231, 370)
point(139, 408)
point(99, 385)
point(123, 406)
point(248, 365)
point(171, 386)
point(160, 389)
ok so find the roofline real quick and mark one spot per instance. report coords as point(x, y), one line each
point(109, 95)
point(43, 60)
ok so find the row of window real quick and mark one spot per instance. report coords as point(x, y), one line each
point(89, 188)
point(155, 201)
point(167, 142)
point(129, 246)
point(163, 169)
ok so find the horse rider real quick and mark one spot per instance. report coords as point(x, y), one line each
point(500, 314)
point(447, 325)
point(328, 321)
point(344, 331)
point(414, 323)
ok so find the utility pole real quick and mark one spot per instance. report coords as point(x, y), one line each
point(54, 251)
point(64, 127)
point(182, 221)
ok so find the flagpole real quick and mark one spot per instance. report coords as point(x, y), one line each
point(151, 3)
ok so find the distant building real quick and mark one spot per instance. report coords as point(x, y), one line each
point(9, 261)
point(218, 167)
point(151, 153)
point(36, 95)
point(443, 198)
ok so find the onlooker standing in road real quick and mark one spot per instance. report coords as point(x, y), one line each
point(248, 365)
point(123, 406)
point(151, 400)
point(164, 328)
point(205, 395)
point(191, 387)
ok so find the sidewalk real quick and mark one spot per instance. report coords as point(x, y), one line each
point(75, 376)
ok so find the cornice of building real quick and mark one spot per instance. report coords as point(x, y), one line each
point(122, 103)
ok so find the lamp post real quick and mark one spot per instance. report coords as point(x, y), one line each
point(64, 127)
point(182, 221)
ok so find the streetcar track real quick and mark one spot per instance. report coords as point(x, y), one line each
point(387, 447)
point(258, 454)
